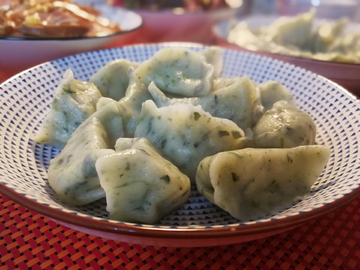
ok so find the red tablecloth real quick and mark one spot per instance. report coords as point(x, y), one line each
point(31, 241)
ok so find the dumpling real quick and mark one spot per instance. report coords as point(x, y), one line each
point(250, 183)
point(113, 79)
point(325, 34)
point(130, 105)
point(185, 134)
point(284, 126)
point(271, 92)
point(141, 186)
point(72, 173)
point(214, 57)
point(234, 102)
point(179, 71)
point(73, 103)
point(257, 110)
point(291, 31)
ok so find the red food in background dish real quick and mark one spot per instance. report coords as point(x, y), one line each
point(51, 19)
point(188, 5)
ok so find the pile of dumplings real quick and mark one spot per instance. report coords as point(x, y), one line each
point(301, 36)
point(141, 134)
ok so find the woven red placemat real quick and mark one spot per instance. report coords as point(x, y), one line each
point(30, 241)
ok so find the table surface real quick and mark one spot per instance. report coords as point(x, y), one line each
point(30, 240)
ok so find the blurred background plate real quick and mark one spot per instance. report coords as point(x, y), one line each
point(189, 21)
point(17, 54)
point(345, 74)
point(26, 98)
point(179, 25)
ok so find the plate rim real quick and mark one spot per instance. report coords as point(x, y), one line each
point(177, 232)
point(143, 230)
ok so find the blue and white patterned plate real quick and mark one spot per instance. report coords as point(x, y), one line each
point(26, 98)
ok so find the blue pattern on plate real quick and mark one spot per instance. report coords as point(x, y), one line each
point(26, 98)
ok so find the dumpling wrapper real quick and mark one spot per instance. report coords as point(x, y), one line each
point(284, 126)
point(234, 102)
point(293, 31)
point(72, 173)
point(129, 106)
point(141, 186)
point(272, 92)
point(113, 78)
point(325, 34)
point(73, 103)
point(251, 183)
point(214, 56)
point(185, 134)
point(178, 71)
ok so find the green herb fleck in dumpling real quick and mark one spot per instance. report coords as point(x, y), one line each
point(179, 71)
point(185, 134)
point(73, 103)
point(250, 183)
point(113, 79)
point(72, 173)
point(141, 186)
point(284, 126)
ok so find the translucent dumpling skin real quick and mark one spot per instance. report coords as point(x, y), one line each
point(234, 101)
point(178, 71)
point(185, 134)
point(272, 92)
point(73, 103)
point(130, 105)
point(292, 31)
point(284, 126)
point(250, 183)
point(214, 56)
point(72, 173)
point(141, 186)
point(113, 79)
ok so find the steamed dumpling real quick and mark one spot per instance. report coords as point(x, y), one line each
point(185, 134)
point(72, 173)
point(250, 183)
point(235, 101)
point(284, 126)
point(271, 92)
point(257, 110)
point(73, 103)
point(141, 186)
point(113, 79)
point(291, 31)
point(325, 34)
point(214, 56)
point(130, 105)
point(179, 71)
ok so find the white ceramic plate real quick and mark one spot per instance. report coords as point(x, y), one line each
point(26, 98)
point(344, 74)
point(22, 53)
